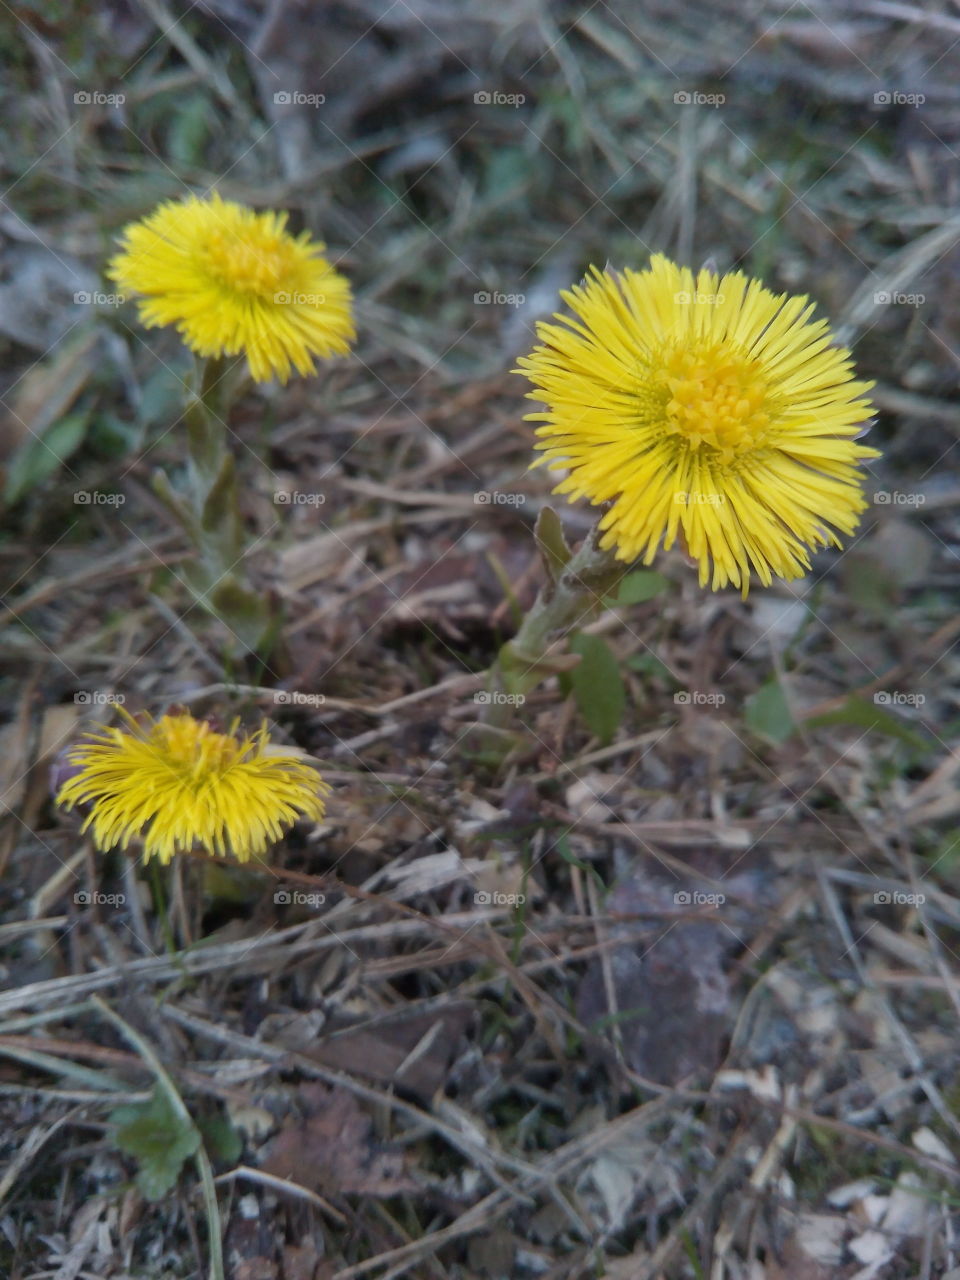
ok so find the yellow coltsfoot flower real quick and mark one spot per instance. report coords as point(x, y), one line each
point(178, 785)
point(705, 406)
point(235, 281)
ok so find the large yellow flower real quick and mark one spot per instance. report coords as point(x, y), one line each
point(178, 785)
point(234, 281)
point(706, 406)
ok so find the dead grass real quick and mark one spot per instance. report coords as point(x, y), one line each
point(419, 1075)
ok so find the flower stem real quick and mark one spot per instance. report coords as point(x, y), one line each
point(208, 508)
point(573, 592)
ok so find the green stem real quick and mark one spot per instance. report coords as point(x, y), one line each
point(209, 506)
point(567, 600)
point(206, 427)
point(160, 904)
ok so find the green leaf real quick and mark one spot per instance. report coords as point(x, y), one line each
point(221, 1139)
point(175, 503)
point(946, 856)
point(767, 713)
point(220, 515)
point(39, 456)
point(224, 882)
point(246, 614)
point(640, 586)
point(114, 436)
point(552, 545)
point(189, 129)
point(648, 664)
point(566, 853)
point(160, 1139)
point(507, 173)
point(161, 399)
point(598, 686)
point(868, 715)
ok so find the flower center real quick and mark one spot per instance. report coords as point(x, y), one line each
point(715, 397)
point(194, 750)
point(247, 266)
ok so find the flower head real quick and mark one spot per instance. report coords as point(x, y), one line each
point(706, 406)
point(179, 785)
point(234, 281)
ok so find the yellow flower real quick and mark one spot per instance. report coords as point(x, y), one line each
point(234, 281)
point(706, 406)
point(178, 785)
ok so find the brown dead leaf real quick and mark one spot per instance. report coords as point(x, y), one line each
point(330, 1149)
point(412, 1050)
point(671, 996)
point(303, 1262)
point(671, 1004)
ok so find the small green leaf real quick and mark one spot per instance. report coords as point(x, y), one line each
point(246, 614)
point(224, 882)
point(648, 664)
point(552, 545)
point(946, 856)
point(861, 714)
point(507, 173)
point(161, 399)
point(640, 586)
point(598, 686)
point(160, 1139)
point(189, 130)
point(221, 1139)
point(566, 853)
point(175, 503)
point(113, 436)
point(767, 713)
point(39, 456)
